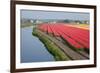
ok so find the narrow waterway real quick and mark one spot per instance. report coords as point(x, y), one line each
point(32, 49)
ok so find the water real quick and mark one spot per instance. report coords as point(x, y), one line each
point(32, 49)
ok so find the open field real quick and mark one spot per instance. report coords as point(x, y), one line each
point(60, 51)
point(71, 40)
point(82, 26)
point(76, 37)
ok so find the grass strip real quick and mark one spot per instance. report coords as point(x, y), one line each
point(58, 54)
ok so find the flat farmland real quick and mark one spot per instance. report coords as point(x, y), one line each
point(82, 26)
point(75, 37)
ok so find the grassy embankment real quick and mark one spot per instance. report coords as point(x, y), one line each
point(58, 54)
point(27, 24)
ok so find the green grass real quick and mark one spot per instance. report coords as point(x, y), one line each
point(58, 54)
point(26, 24)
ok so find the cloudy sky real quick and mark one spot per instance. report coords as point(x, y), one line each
point(33, 14)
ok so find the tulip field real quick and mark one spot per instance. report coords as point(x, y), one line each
point(76, 37)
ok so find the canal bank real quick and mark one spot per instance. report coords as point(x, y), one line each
point(58, 54)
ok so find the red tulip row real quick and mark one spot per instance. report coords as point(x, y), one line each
point(77, 37)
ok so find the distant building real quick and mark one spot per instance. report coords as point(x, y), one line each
point(38, 22)
point(86, 22)
point(31, 21)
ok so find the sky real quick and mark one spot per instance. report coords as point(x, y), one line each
point(36, 14)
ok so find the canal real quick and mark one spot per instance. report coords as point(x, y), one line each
point(32, 49)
